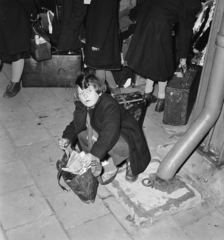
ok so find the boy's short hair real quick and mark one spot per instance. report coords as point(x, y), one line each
point(85, 80)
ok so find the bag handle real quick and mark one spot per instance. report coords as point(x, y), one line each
point(59, 176)
point(50, 28)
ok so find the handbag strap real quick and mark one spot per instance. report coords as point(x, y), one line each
point(59, 175)
point(90, 144)
point(50, 28)
point(90, 132)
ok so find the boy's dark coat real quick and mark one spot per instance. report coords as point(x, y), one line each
point(110, 120)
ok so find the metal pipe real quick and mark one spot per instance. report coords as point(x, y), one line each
point(206, 119)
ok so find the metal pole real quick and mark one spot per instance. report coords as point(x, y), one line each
point(207, 118)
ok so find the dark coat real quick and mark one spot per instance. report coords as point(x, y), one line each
point(110, 120)
point(67, 28)
point(150, 53)
point(102, 32)
point(15, 25)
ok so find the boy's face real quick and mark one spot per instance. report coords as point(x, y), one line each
point(88, 96)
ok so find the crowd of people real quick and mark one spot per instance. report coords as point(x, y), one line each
point(94, 25)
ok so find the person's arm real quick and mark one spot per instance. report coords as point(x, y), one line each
point(110, 132)
point(77, 125)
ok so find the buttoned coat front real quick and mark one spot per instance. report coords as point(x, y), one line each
point(110, 120)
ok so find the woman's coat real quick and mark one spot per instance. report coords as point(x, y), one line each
point(102, 32)
point(15, 25)
point(151, 52)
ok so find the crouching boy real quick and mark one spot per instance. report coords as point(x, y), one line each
point(114, 132)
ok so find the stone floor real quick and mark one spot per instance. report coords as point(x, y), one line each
point(33, 206)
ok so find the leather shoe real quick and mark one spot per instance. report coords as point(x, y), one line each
point(129, 175)
point(160, 105)
point(150, 97)
point(12, 89)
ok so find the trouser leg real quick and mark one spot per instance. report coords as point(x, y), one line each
point(119, 152)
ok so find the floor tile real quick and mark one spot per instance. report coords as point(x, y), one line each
point(122, 215)
point(47, 175)
point(8, 151)
point(55, 121)
point(166, 229)
point(10, 181)
point(209, 227)
point(186, 217)
point(64, 94)
point(9, 104)
point(17, 117)
point(28, 134)
point(103, 228)
point(155, 136)
point(72, 212)
point(21, 207)
point(40, 99)
point(40, 155)
point(2, 234)
point(46, 228)
point(3, 133)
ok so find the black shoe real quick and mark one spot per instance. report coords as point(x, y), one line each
point(129, 175)
point(160, 105)
point(12, 89)
point(150, 97)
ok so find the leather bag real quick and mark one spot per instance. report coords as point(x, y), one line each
point(59, 71)
point(84, 186)
point(40, 43)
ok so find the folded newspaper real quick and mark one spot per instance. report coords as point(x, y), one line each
point(77, 163)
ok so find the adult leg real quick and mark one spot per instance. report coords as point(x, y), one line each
point(161, 97)
point(112, 84)
point(14, 86)
point(101, 74)
point(149, 92)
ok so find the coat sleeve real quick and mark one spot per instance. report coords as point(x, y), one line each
point(29, 7)
point(105, 11)
point(77, 125)
point(110, 130)
point(78, 14)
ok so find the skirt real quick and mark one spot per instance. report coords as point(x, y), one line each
point(15, 57)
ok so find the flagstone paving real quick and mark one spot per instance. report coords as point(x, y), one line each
point(34, 207)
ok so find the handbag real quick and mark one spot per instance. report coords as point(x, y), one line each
point(40, 43)
point(85, 185)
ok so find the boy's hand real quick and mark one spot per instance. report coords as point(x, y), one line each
point(63, 143)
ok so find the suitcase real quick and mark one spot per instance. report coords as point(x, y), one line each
point(59, 71)
point(134, 103)
point(180, 97)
